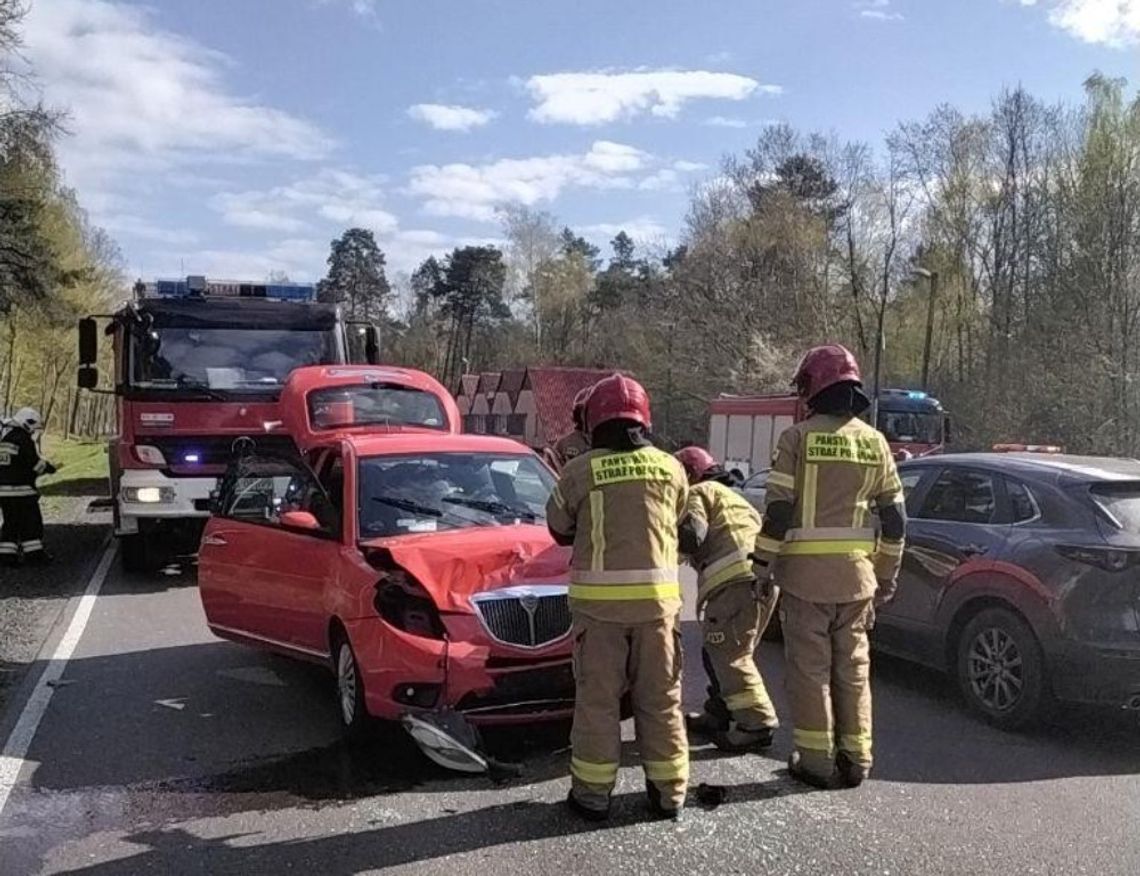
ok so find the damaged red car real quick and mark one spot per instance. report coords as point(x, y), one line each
point(412, 560)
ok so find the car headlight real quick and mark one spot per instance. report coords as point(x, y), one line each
point(148, 495)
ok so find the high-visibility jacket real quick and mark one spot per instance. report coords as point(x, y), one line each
point(834, 471)
point(732, 525)
point(20, 462)
point(621, 509)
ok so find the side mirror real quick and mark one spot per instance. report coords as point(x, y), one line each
point(88, 377)
point(372, 344)
point(88, 342)
point(946, 433)
point(299, 520)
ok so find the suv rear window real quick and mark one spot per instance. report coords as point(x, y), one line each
point(1120, 503)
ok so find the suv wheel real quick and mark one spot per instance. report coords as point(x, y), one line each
point(1001, 671)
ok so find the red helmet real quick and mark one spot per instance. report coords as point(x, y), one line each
point(825, 366)
point(617, 397)
point(579, 410)
point(697, 462)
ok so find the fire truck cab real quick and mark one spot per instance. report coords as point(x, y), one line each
point(197, 367)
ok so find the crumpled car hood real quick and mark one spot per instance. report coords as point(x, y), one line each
point(453, 566)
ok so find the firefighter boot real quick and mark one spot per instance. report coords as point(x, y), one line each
point(715, 718)
point(591, 807)
point(659, 809)
point(811, 777)
point(852, 774)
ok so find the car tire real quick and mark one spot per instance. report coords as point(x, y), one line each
point(1001, 670)
point(135, 553)
point(355, 721)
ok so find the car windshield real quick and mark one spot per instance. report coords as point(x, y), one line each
point(439, 491)
point(1121, 502)
point(907, 427)
point(246, 360)
point(375, 404)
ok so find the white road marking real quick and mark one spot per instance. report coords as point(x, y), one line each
point(17, 745)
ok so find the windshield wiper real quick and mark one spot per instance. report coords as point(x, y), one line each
point(408, 505)
point(184, 382)
point(492, 506)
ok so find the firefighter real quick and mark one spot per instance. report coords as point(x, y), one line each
point(22, 533)
point(829, 474)
point(718, 534)
point(619, 504)
point(577, 441)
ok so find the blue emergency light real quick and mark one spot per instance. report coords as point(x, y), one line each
point(201, 287)
point(915, 394)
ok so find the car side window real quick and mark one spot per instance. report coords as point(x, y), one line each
point(961, 496)
point(1022, 506)
point(260, 490)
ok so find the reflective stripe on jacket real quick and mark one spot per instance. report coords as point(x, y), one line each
point(835, 472)
point(733, 525)
point(621, 509)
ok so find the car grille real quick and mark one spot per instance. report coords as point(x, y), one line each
point(526, 617)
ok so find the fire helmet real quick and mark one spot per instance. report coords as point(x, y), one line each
point(617, 397)
point(579, 410)
point(696, 461)
point(29, 419)
point(825, 366)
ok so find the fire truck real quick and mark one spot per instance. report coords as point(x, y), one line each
point(198, 368)
point(743, 430)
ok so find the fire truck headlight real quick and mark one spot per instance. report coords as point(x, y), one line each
point(149, 455)
point(148, 495)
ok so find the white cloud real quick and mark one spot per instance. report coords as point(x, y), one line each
point(475, 191)
point(144, 99)
point(689, 166)
point(1114, 23)
point(643, 229)
point(450, 118)
point(724, 122)
point(362, 8)
point(331, 196)
point(879, 10)
point(600, 97)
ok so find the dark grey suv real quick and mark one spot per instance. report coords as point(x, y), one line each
point(1022, 577)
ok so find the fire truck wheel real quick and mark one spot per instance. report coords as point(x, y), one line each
point(135, 553)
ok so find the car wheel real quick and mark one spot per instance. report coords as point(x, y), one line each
point(1001, 671)
point(354, 719)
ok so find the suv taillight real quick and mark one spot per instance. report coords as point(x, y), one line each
point(1109, 559)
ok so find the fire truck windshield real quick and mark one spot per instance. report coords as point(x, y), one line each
point(909, 427)
point(241, 360)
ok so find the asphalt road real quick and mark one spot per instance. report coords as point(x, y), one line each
point(163, 750)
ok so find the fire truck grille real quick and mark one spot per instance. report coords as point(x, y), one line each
point(524, 618)
point(184, 453)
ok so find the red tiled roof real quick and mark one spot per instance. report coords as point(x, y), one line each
point(489, 382)
point(512, 384)
point(554, 390)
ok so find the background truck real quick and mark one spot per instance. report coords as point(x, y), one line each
point(197, 366)
point(743, 430)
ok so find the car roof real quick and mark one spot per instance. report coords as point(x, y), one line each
point(1085, 468)
point(399, 443)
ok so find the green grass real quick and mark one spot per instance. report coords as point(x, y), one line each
point(82, 472)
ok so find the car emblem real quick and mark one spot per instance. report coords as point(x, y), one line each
point(529, 602)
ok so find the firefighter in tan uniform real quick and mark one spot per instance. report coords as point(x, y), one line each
point(718, 535)
point(619, 505)
point(830, 474)
point(575, 442)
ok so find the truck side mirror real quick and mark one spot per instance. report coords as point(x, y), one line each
point(88, 377)
point(88, 342)
point(372, 344)
point(946, 433)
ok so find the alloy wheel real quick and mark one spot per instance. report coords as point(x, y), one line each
point(346, 683)
point(996, 670)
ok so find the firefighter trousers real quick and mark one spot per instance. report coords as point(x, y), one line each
point(733, 621)
point(22, 530)
point(645, 660)
point(828, 680)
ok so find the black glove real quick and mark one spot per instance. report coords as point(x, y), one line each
point(49, 468)
point(886, 592)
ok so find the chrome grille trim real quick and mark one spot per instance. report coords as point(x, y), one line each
point(527, 616)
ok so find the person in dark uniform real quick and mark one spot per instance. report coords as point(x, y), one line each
point(22, 532)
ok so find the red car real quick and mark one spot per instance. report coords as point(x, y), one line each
point(414, 561)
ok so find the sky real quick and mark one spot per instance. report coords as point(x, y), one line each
point(233, 138)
